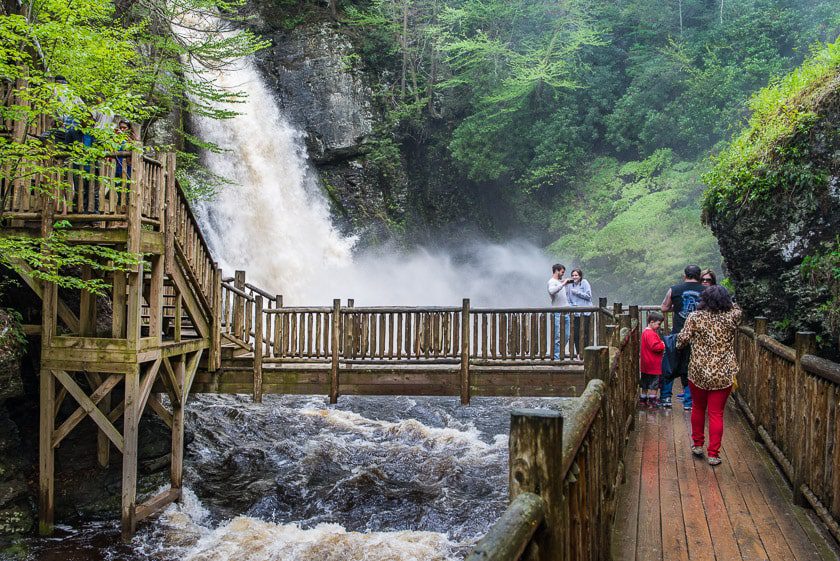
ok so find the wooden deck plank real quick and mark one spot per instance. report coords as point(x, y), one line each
point(626, 524)
point(776, 493)
point(649, 547)
point(674, 543)
point(740, 510)
point(771, 535)
point(717, 517)
point(696, 526)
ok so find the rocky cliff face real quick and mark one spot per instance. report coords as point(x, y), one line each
point(321, 90)
point(765, 239)
point(16, 501)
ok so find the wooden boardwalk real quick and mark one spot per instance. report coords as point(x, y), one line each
point(674, 506)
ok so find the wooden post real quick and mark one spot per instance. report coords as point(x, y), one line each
point(87, 307)
point(535, 462)
point(596, 363)
point(176, 468)
point(634, 315)
point(46, 452)
point(170, 224)
point(238, 304)
point(616, 311)
point(258, 347)
point(760, 329)
point(179, 312)
point(334, 343)
point(156, 298)
point(214, 360)
point(131, 420)
point(465, 352)
point(602, 323)
point(118, 308)
point(805, 343)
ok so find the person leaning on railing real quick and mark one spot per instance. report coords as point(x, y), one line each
point(711, 332)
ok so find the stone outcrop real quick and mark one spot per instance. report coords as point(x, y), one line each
point(17, 513)
point(322, 89)
point(765, 241)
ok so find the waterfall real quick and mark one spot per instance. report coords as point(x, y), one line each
point(272, 221)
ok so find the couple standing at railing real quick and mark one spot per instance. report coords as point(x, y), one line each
point(565, 292)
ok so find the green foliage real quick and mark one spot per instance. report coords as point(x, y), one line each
point(50, 257)
point(634, 227)
point(771, 154)
point(823, 270)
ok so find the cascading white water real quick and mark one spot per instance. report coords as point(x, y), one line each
point(273, 221)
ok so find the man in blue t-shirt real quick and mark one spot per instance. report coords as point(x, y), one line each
point(682, 299)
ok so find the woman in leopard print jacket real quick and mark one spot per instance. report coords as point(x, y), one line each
point(711, 333)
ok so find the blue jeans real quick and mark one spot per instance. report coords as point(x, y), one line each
point(557, 333)
point(666, 389)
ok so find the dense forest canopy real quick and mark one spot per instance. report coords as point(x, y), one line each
point(594, 120)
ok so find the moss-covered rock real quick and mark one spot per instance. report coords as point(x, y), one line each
point(774, 200)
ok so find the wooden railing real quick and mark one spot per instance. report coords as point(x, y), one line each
point(565, 470)
point(792, 399)
point(191, 246)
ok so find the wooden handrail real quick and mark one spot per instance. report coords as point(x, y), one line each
point(825, 369)
point(510, 535)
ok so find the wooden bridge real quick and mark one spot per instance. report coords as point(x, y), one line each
point(178, 327)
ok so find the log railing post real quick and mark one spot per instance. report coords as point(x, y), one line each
point(804, 343)
point(602, 322)
point(596, 364)
point(535, 464)
point(238, 304)
point(214, 361)
point(258, 347)
point(336, 337)
point(758, 386)
point(465, 352)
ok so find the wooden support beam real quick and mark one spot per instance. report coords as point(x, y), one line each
point(334, 345)
point(214, 359)
point(119, 299)
point(156, 297)
point(46, 455)
point(465, 352)
point(176, 467)
point(191, 303)
point(90, 407)
point(148, 382)
point(191, 369)
point(156, 504)
point(179, 316)
point(804, 343)
point(535, 462)
point(258, 347)
point(159, 409)
point(87, 307)
point(80, 413)
point(171, 381)
point(131, 423)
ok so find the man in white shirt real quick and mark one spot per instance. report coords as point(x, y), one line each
point(559, 299)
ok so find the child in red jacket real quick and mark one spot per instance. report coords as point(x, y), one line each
point(650, 363)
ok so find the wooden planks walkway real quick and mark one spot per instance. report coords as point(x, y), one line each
point(674, 506)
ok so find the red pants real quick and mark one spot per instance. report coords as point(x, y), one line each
point(715, 400)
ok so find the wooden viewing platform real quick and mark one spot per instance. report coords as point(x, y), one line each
point(178, 328)
point(675, 506)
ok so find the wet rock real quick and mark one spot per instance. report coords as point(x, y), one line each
point(322, 88)
point(12, 345)
point(12, 490)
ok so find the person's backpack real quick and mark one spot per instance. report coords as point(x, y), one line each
point(670, 358)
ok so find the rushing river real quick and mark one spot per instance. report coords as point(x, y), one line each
point(374, 478)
